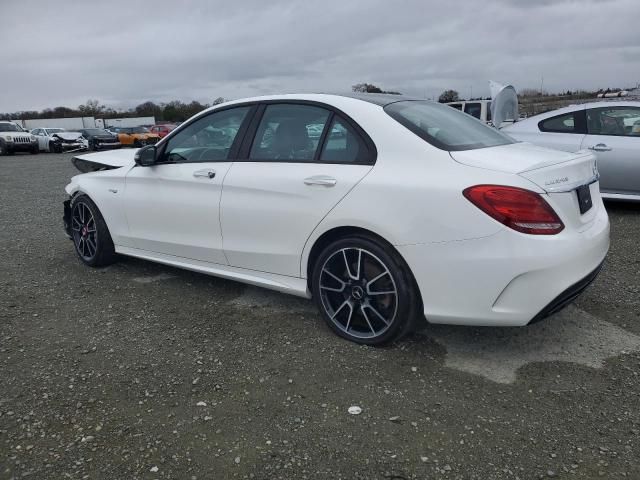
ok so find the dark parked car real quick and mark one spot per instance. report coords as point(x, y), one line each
point(100, 139)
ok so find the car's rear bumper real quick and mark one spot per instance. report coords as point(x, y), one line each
point(507, 279)
point(568, 296)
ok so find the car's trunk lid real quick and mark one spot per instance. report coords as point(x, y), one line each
point(559, 174)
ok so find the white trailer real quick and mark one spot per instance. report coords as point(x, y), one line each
point(129, 122)
point(71, 124)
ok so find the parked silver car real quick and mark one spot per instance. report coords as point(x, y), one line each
point(610, 129)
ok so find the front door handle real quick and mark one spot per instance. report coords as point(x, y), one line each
point(206, 173)
point(601, 147)
point(324, 180)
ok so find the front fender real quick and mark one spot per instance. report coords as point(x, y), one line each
point(106, 189)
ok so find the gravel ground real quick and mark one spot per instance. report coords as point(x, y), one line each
point(140, 371)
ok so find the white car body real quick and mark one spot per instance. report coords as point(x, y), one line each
point(257, 222)
point(47, 137)
point(618, 155)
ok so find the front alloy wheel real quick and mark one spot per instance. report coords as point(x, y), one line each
point(90, 234)
point(365, 291)
point(85, 232)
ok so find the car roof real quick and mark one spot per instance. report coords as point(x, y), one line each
point(380, 99)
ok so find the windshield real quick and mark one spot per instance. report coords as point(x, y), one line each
point(10, 127)
point(96, 131)
point(139, 130)
point(445, 127)
point(54, 130)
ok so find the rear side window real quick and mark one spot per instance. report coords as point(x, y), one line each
point(473, 109)
point(289, 132)
point(343, 144)
point(560, 124)
point(444, 128)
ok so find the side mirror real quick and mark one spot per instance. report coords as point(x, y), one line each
point(146, 156)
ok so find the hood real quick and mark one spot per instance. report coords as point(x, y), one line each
point(15, 134)
point(68, 135)
point(504, 103)
point(104, 160)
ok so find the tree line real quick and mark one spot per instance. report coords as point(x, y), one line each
point(174, 111)
point(178, 111)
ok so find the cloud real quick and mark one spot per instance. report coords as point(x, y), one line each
point(127, 52)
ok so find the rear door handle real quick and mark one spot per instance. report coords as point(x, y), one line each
point(206, 173)
point(324, 180)
point(601, 147)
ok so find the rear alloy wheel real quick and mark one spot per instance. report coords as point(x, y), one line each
point(365, 291)
point(90, 233)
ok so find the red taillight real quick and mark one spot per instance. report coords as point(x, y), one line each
point(517, 208)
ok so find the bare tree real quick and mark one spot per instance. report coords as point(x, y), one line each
point(448, 96)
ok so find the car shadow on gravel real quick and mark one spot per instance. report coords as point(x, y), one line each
point(572, 335)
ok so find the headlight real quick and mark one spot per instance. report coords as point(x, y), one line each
point(9, 139)
point(33, 138)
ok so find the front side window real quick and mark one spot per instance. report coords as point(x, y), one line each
point(289, 132)
point(445, 128)
point(565, 123)
point(617, 121)
point(343, 145)
point(474, 109)
point(208, 139)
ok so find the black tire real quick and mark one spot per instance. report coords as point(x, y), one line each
point(364, 294)
point(3, 150)
point(94, 248)
point(92, 146)
point(136, 143)
point(55, 147)
point(35, 150)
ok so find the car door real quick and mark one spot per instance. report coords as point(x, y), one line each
point(613, 134)
point(172, 207)
point(299, 161)
point(562, 132)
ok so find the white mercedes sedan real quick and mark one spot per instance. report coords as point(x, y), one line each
point(389, 212)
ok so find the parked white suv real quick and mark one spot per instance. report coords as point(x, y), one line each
point(500, 111)
point(13, 138)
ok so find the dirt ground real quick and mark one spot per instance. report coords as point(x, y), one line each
point(140, 371)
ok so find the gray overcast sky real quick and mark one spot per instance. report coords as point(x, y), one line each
point(126, 52)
